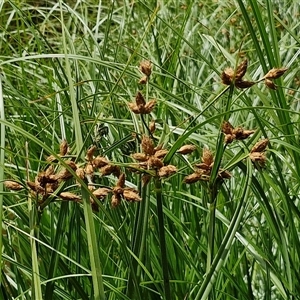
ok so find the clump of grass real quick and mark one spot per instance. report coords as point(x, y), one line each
point(212, 170)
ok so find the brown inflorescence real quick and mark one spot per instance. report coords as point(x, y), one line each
point(257, 153)
point(203, 170)
point(152, 159)
point(229, 76)
point(232, 133)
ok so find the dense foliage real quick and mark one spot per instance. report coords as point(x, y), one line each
point(149, 149)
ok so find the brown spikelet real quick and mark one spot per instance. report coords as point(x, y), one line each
point(90, 153)
point(241, 70)
point(270, 84)
point(31, 185)
point(115, 200)
point(152, 126)
point(161, 153)
point(101, 193)
point(192, 178)
point(143, 80)
point(12, 185)
point(89, 170)
point(149, 107)
point(140, 101)
point(242, 135)
point(140, 156)
point(69, 196)
point(147, 145)
point(51, 158)
point(243, 84)
point(131, 195)
point(146, 67)
point(71, 164)
point(80, 173)
point(134, 108)
point(207, 157)
point(154, 162)
point(227, 76)
point(100, 162)
point(203, 166)
point(167, 171)
point(275, 73)
point(259, 158)
point(110, 169)
point(186, 149)
point(229, 138)
point(121, 181)
point(260, 146)
point(63, 148)
point(227, 128)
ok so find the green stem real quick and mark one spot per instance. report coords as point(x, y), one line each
point(162, 238)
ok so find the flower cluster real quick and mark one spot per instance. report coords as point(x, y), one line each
point(232, 133)
point(257, 153)
point(203, 170)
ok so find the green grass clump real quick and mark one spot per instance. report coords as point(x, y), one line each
point(149, 150)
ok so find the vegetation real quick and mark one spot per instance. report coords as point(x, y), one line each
point(149, 149)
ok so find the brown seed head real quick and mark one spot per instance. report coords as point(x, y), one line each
point(270, 84)
point(140, 156)
point(161, 153)
point(63, 148)
point(140, 101)
point(167, 171)
point(152, 126)
point(186, 149)
point(260, 146)
point(71, 164)
point(100, 162)
point(203, 166)
point(31, 185)
point(49, 171)
point(243, 84)
point(131, 195)
point(121, 181)
point(12, 185)
point(134, 108)
point(101, 193)
point(244, 134)
point(147, 145)
point(90, 153)
point(227, 76)
point(110, 169)
point(89, 169)
point(192, 178)
point(115, 200)
point(80, 173)
point(229, 138)
point(154, 162)
point(241, 70)
point(143, 80)
point(146, 67)
point(258, 157)
point(207, 157)
point(275, 73)
point(147, 109)
point(69, 196)
point(227, 128)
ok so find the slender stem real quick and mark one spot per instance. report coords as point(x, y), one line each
point(162, 238)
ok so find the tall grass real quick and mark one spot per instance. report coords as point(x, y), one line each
point(69, 71)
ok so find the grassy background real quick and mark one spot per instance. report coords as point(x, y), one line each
point(68, 70)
